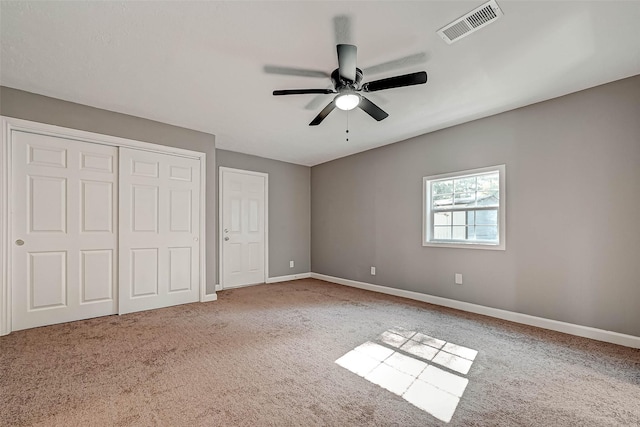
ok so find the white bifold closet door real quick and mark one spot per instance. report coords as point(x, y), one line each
point(159, 228)
point(64, 230)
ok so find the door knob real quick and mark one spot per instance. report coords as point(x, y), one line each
point(226, 230)
point(226, 238)
point(19, 242)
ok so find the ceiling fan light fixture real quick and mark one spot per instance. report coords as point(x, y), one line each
point(347, 101)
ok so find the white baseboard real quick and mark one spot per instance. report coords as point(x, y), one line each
point(210, 297)
point(540, 322)
point(289, 277)
point(226, 288)
point(218, 287)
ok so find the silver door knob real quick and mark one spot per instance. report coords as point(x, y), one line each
point(226, 230)
point(19, 242)
point(226, 238)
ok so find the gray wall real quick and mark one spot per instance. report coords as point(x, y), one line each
point(289, 209)
point(37, 108)
point(573, 198)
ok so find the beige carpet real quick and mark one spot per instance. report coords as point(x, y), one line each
point(265, 355)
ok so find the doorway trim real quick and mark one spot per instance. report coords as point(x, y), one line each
point(10, 124)
point(221, 171)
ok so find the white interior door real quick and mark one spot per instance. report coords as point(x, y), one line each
point(64, 222)
point(159, 230)
point(243, 227)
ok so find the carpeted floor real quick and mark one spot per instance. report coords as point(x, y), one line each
point(266, 355)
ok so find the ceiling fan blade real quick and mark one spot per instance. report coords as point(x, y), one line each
point(289, 71)
point(324, 113)
point(372, 109)
point(301, 91)
point(342, 29)
point(405, 61)
point(315, 102)
point(347, 54)
point(397, 81)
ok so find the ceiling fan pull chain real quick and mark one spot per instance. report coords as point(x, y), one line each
point(347, 125)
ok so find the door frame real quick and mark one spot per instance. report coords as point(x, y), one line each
point(221, 171)
point(10, 124)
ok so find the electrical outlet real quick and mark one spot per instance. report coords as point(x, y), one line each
point(458, 279)
point(373, 271)
point(290, 264)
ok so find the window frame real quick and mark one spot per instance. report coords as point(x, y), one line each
point(427, 211)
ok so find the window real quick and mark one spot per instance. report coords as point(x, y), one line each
point(465, 209)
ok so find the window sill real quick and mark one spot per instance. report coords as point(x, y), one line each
point(460, 245)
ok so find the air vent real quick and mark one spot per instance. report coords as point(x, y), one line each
point(471, 22)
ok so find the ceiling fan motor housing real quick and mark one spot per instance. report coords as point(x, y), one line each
point(340, 83)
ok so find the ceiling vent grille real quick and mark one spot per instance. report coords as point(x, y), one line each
point(471, 22)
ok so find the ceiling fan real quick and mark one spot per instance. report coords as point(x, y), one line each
point(347, 80)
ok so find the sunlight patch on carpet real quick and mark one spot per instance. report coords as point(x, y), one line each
point(404, 362)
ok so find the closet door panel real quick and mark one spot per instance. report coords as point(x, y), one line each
point(159, 230)
point(63, 227)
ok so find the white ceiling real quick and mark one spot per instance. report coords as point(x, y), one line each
point(200, 65)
